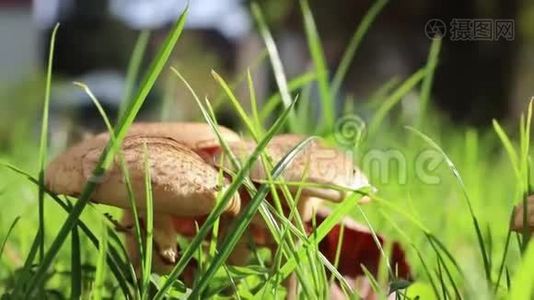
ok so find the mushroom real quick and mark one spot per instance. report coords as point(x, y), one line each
point(184, 160)
point(518, 221)
point(183, 184)
point(192, 134)
point(316, 164)
point(320, 164)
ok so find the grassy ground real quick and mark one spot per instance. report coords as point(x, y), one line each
point(447, 195)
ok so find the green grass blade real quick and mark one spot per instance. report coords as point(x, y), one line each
point(255, 132)
point(335, 217)
point(525, 148)
point(22, 283)
point(153, 73)
point(98, 106)
point(443, 265)
point(321, 68)
point(124, 168)
point(355, 41)
point(345, 285)
point(43, 144)
point(133, 69)
point(427, 272)
point(456, 173)
point(395, 98)
point(508, 146)
point(8, 233)
point(253, 102)
point(426, 86)
point(301, 258)
point(235, 103)
point(373, 282)
point(508, 279)
point(312, 253)
point(100, 274)
point(240, 225)
point(437, 244)
point(113, 257)
point(257, 62)
point(385, 257)
point(149, 223)
point(75, 266)
point(222, 202)
point(106, 157)
point(489, 238)
point(276, 62)
point(503, 261)
point(209, 116)
point(439, 274)
point(382, 91)
point(294, 84)
point(522, 283)
point(525, 173)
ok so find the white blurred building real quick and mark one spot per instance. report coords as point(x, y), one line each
point(18, 41)
point(229, 17)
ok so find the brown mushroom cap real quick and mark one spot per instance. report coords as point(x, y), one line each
point(518, 218)
point(182, 183)
point(317, 163)
point(192, 134)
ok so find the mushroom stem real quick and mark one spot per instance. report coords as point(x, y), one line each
point(165, 252)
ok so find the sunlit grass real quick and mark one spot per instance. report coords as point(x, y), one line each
point(455, 231)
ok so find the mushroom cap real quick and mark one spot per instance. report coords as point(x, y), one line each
point(194, 135)
point(518, 217)
point(182, 183)
point(317, 163)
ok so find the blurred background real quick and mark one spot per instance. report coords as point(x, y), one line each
point(478, 77)
point(485, 71)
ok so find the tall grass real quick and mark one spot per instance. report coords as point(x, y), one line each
point(107, 156)
point(458, 241)
point(43, 145)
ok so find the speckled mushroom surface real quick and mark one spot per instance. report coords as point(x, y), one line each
point(191, 134)
point(183, 159)
point(183, 184)
point(317, 163)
